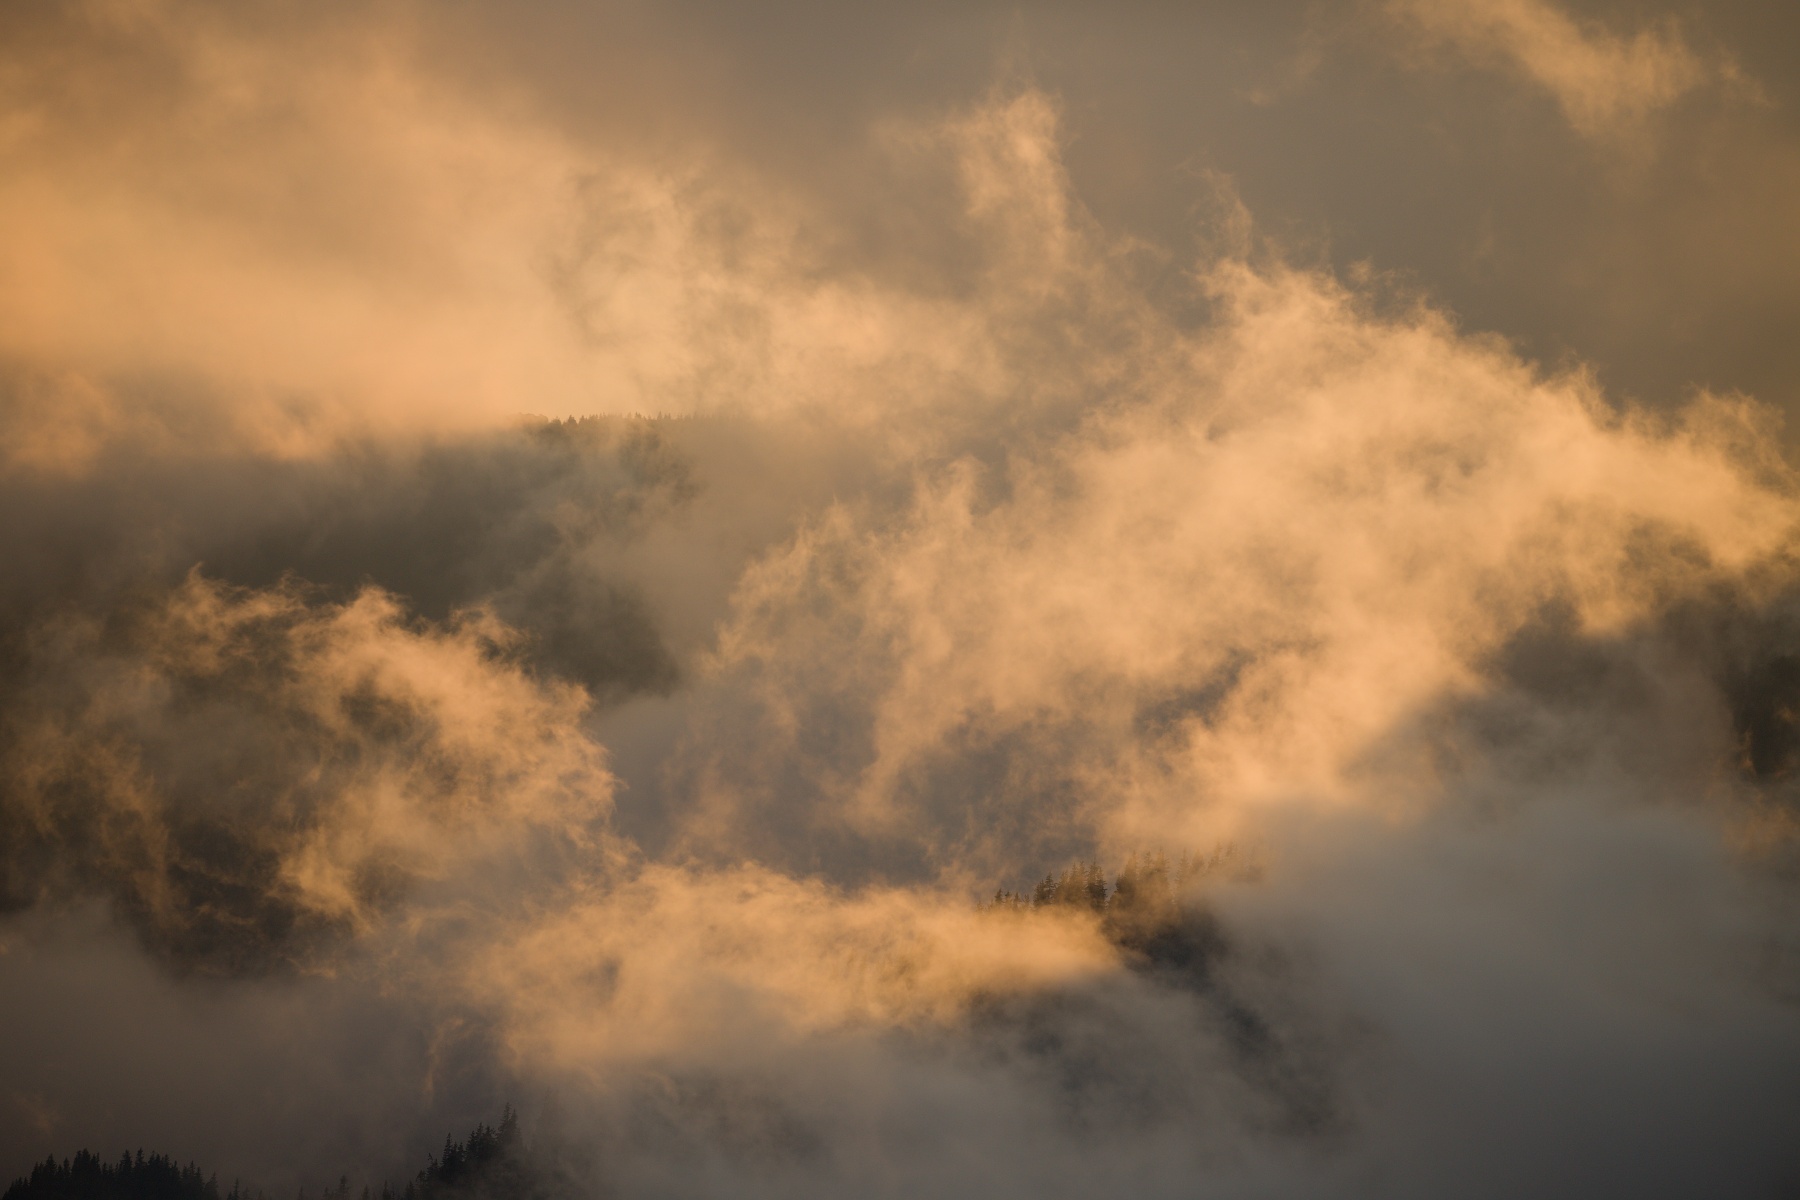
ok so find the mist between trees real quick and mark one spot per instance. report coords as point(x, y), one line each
point(1156, 915)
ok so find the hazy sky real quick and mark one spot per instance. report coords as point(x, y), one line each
point(1343, 442)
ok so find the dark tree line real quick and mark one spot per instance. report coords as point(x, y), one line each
point(1144, 886)
point(89, 1177)
point(1148, 911)
point(490, 1164)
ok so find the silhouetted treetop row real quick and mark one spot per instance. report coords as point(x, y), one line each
point(89, 1177)
point(1146, 884)
point(490, 1164)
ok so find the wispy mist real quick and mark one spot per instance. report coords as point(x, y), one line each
point(544, 589)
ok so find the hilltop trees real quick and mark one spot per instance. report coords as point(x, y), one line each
point(88, 1177)
point(490, 1164)
point(1148, 912)
point(1144, 887)
point(1082, 885)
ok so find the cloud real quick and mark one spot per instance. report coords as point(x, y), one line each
point(275, 234)
point(1605, 83)
point(1312, 562)
point(273, 209)
point(649, 770)
point(251, 778)
point(1276, 545)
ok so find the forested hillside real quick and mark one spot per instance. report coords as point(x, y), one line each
point(1142, 911)
point(490, 1164)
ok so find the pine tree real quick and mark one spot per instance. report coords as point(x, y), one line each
point(1093, 887)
